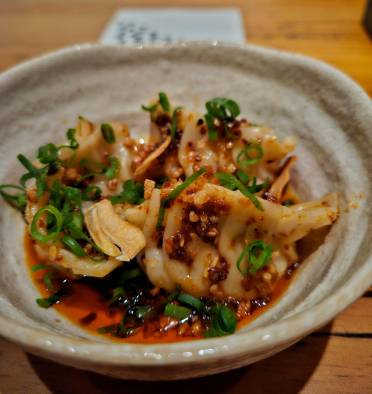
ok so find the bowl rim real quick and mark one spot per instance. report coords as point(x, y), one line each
point(257, 340)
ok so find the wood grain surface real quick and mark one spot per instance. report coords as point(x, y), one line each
point(335, 359)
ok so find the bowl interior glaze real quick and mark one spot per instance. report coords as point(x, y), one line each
point(327, 112)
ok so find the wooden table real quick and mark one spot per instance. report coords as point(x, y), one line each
point(337, 358)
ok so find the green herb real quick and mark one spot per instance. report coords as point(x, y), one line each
point(108, 133)
point(212, 131)
point(255, 188)
point(231, 182)
point(245, 157)
point(39, 267)
point(54, 231)
point(72, 139)
point(243, 177)
point(130, 275)
point(178, 312)
point(74, 246)
point(256, 255)
point(112, 171)
point(47, 279)
point(47, 154)
point(173, 129)
point(73, 223)
point(91, 193)
point(141, 312)
point(49, 301)
point(56, 194)
point(132, 193)
point(175, 193)
point(38, 173)
point(223, 108)
point(18, 200)
point(150, 108)
point(117, 293)
point(190, 300)
point(164, 102)
point(223, 321)
point(73, 196)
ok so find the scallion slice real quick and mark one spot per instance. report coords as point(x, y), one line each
point(231, 182)
point(223, 321)
point(74, 246)
point(164, 102)
point(91, 193)
point(17, 200)
point(190, 300)
point(256, 255)
point(175, 193)
point(49, 301)
point(54, 231)
point(150, 108)
point(245, 157)
point(108, 133)
point(113, 170)
point(178, 312)
point(173, 129)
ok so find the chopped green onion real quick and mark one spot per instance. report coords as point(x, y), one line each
point(18, 201)
point(188, 181)
point(56, 229)
point(190, 300)
point(114, 168)
point(56, 194)
point(231, 182)
point(117, 293)
point(74, 246)
point(91, 193)
point(212, 131)
point(242, 176)
point(173, 129)
point(245, 157)
point(73, 223)
point(130, 275)
point(141, 312)
point(132, 193)
point(38, 173)
point(223, 108)
point(47, 153)
point(47, 279)
point(161, 216)
point(254, 188)
point(49, 301)
point(26, 163)
point(164, 102)
point(150, 108)
point(223, 321)
point(177, 311)
point(175, 193)
point(73, 196)
point(256, 255)
point(108, 133)
point(39, 267)
point(72, 139)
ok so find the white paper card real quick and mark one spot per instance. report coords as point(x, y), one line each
point(166, 25)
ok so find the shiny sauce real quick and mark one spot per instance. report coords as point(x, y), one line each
point(85, 306)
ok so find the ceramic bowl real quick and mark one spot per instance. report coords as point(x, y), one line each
point(328, 113)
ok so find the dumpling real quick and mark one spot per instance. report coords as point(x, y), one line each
point(205, 234)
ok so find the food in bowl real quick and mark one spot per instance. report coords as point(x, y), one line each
point(189, 234)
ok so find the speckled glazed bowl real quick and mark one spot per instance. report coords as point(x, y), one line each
point(331, 117)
